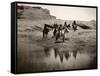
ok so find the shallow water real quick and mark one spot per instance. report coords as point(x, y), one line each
point(51, 59)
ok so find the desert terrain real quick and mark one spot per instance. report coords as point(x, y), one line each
point(37, 55)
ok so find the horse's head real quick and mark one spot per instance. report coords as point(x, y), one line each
point(55, 26)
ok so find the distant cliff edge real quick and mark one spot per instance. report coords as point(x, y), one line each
point(34, 13)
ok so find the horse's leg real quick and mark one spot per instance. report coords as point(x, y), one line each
point(63, 37)
point(57, 36)
point(46, 36)
point(56, 39)
point(53, 35)
point(43, 35)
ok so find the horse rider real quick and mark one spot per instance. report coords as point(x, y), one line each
point(66, 26)
point(55, 30)
point(74, 25)
point(60, 30)
point(45, 31)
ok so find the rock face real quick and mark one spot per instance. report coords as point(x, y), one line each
point(34, 13)
point(87, 24)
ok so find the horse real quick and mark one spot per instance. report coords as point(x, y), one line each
point(58, 33)
point(61, 32)
point(46, 30)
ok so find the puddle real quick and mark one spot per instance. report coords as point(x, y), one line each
point(50, 59)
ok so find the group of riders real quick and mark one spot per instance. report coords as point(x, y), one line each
point(58, 30)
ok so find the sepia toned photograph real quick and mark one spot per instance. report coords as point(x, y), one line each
point(55, 37)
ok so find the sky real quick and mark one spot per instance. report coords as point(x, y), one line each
point(69, 13)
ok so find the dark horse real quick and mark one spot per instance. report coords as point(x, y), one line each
point(46, 30)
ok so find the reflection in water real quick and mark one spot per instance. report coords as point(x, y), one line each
point(55, 51)
point(60, 53)
point(47, 51)
point(67, 55)
point(75, 54)
point(49, 59)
